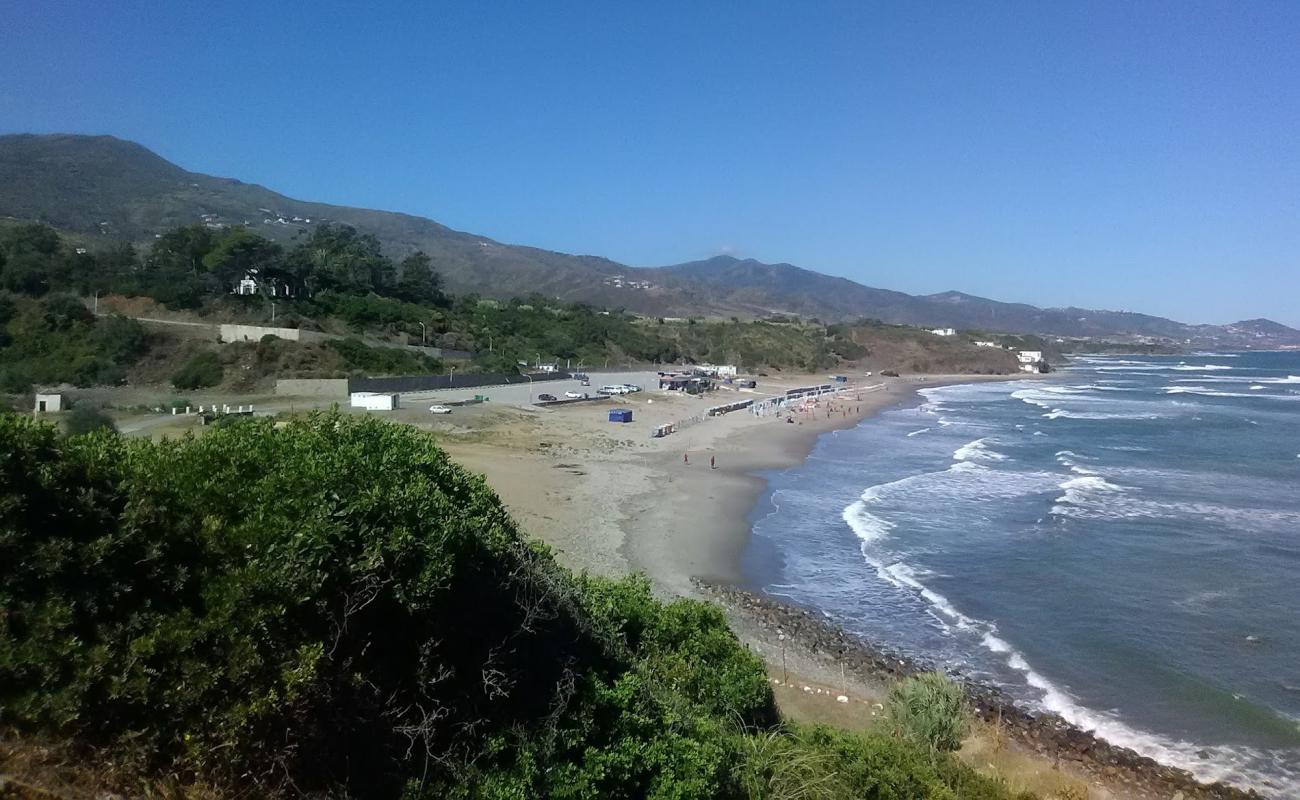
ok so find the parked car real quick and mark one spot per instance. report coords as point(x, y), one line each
point(546, 398)
point(572, 395)
point(631, 387)
point(612, 389)
point(439, 409)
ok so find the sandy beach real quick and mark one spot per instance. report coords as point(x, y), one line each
point(611, 500)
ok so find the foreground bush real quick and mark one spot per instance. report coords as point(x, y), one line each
point(931, 710)
point(333, 608)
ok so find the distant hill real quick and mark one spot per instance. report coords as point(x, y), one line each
point(104, 188)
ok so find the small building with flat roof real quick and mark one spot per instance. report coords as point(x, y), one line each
point(48, 402)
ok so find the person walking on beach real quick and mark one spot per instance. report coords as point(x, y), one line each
point(712, 464)
point(686, 458)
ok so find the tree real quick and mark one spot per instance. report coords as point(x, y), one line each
point(238, 252)
point(338, 257)
point(182, 249)
point(419, 282)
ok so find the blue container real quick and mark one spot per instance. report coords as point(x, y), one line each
point(620, 415)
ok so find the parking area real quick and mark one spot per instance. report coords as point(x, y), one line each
point(522, 394)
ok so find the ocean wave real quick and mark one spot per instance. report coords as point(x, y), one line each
point(977, 450)
point(1032, 397)
point(1060, 413)
point(1083, 492)
point(1206, 391)
point(866, 525)
point(1144, 368)
point(1070, 459)
point(918, 433)
point(1225, 763)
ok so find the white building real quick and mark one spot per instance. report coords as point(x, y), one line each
point(49, 402)
point(1031, 361)
point(375, 401)
point(943, 331)
point(718, 370)
point(986, 344)
point(247, 285)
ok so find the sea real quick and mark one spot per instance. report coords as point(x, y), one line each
point(1117, 543)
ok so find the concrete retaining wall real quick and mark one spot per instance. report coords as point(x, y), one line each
point(254, 333)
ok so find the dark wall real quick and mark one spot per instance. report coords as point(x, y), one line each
point(428, 383)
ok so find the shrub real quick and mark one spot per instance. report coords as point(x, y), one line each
point(931, 710)
point(200, 371)
point(332, 608)
point(83, 419)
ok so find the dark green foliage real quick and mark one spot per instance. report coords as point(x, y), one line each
point(359, 357)
point(419, 283)
point(57, 340)
point(83, 419)
point(203, 369)
point(333, 607)
point(239, 605)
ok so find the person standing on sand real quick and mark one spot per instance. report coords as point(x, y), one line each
point(712, 464)
point(686, 458)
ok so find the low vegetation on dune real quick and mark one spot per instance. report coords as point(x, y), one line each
point(330, 607)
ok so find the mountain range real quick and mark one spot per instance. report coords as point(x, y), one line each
point(105, 189)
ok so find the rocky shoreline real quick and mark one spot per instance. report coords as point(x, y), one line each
point(1047, 734)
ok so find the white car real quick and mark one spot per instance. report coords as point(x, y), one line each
point(612, 389)
point(631, 387)
point(439, 409)
point(572, 395)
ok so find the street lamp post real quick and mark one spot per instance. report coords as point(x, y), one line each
point(530, 386)
point(424, 341)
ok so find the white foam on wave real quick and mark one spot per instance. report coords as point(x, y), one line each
point(1070, 459)
point(1142, 369)
point(1206, 391)
point(1060, 413)
point(1083, 492)
point(866, 525)
point(918, 433)
point(1031, 397)
point(977, 450)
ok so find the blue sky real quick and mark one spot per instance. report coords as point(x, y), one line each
point(1143, 156)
